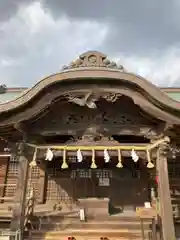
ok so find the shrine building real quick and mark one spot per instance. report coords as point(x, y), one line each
point(91, 152)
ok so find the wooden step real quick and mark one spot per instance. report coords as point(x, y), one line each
point(112, 228)
point(65, 224)
point(87, 234)
point(87, 237)
point(120, 218)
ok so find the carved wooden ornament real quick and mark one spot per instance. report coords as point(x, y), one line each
point(93, 59)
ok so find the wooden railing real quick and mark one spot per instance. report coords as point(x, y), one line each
point(11, 235)
point(29, 208)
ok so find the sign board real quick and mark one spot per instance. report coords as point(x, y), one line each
point(143, 212)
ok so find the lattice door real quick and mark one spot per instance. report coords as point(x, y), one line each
point(59, 184)
point(174, 180)
point(12, 178)
point(12, 175)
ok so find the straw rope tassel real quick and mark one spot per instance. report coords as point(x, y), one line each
point(93, 164)
point(64, 164)
point(150, 164)
point(119, 165)
point(33, 162)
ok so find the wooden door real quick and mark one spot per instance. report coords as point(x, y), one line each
point(129, 187)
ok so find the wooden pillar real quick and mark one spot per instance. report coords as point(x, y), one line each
point(166, 214)
point(17, 222)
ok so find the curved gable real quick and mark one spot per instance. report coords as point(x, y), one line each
point(93, 71)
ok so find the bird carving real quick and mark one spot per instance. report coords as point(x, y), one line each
point(88, 100)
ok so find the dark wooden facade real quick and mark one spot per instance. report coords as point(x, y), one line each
point(91, 103)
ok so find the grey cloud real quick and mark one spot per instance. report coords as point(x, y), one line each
point(136, 26)
point(9, 7)
point(140, 26)
point(143, 34)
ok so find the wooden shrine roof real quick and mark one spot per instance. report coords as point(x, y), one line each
point(91, 73)
point(95, 66)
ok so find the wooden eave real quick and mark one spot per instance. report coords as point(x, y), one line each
point(99, 78)
point(93, 73)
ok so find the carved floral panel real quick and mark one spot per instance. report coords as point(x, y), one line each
point(71, 116)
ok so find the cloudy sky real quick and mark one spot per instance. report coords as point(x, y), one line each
point(38, 37)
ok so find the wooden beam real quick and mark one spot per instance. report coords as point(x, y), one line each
point(56, 154)
point(114, 130)
point(99, 146)
point(166, 214)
